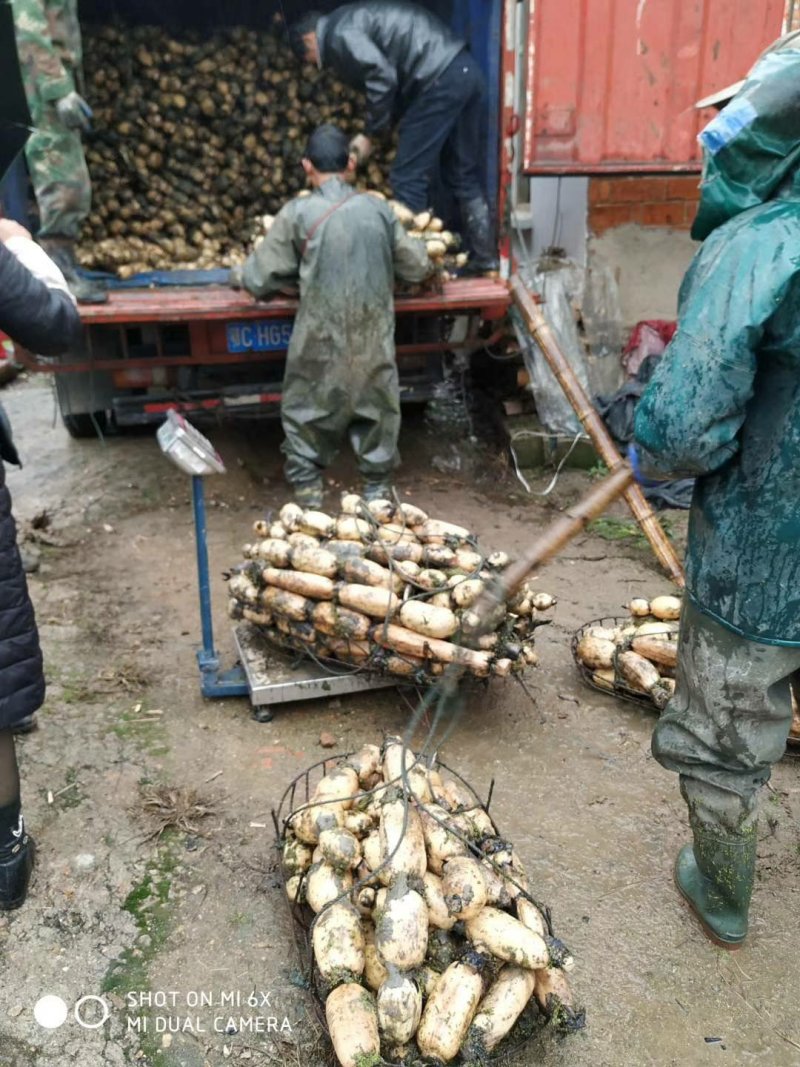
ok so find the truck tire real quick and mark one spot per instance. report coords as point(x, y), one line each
point(87, 424)
point(83, 400)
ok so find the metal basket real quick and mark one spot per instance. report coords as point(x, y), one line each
point(420, 679)
point(299, 792)
point(620, 689)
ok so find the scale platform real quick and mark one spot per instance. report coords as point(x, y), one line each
point(275, 677)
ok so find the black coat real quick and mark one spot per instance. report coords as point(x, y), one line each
point(391, 49)
point(46, 321)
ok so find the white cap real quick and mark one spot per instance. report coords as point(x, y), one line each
point(722, 96)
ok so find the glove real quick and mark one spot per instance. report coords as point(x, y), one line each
point(36, 260)
point(235, 278)
point(74, 112)
point(645, 475)
point(361, 148)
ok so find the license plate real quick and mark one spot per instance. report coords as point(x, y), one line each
point(265, 335)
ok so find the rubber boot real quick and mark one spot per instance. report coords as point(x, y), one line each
point(479, 235)
point(377, 489)
point(309, 494)
point(62, 252)
point(715, 876)
point(15, 875)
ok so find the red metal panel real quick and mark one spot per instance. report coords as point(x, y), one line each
point(215, 303)
point(612, 83)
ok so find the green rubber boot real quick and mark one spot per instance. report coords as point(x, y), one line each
point(309, 494)
point(377, 489)
point(715, 876)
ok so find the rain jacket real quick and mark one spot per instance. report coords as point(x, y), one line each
point(390, 49)
point(346, 249)
point(724, 403)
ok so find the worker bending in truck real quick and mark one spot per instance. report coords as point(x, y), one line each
point(724, 405)
point(345, 250)
point(50, 55)
point(413, 69)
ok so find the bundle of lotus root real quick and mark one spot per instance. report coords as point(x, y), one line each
point(427, 944)
point(384, 587)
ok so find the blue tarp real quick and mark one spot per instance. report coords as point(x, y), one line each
point(158, 278)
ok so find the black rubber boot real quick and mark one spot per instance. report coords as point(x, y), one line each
point(15, 875)
point(479, 235)
point(715, 876)
point(62, 252)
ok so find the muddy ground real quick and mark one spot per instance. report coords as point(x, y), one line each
point(198, 914)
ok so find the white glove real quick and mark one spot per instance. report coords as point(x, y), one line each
point(361, 147)
point(37, 261)
point(74, 112)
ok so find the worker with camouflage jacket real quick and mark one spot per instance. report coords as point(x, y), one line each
point(50, 54)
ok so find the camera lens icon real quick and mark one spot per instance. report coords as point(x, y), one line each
point(50, 1012)
point(91, 1012)
point(87, 1009)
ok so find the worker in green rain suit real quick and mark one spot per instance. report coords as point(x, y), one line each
point(346, 248)
point(724, 405)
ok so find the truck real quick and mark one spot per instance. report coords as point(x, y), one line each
point(192, 344)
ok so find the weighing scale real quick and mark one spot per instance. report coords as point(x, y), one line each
point(264, 674)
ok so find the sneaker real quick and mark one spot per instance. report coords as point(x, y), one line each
point(26, 725)
point(15, 875)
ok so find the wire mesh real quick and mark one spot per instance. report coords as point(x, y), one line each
point(618, 687)
point(299, 793)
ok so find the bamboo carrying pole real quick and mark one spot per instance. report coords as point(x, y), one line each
point(595, 427)
point(550, 542)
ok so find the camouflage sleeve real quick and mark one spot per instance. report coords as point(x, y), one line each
point(65, 31)
point(274, 264)
point(411, 262)
point(39, 55)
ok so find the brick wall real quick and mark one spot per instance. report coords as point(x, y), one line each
point(664, 200)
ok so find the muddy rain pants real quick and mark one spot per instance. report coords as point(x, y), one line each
point(727, 723)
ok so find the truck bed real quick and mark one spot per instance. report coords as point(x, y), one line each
point(211, 348)
point(487, 297)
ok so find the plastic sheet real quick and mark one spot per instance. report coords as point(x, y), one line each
point(649, 338)
point(557, 280)
point(602, 322)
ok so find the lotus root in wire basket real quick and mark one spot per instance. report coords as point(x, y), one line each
point(414, 917)
point(635, 659)
point(382, 587)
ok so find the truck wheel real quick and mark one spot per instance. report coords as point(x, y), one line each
point(86, 424)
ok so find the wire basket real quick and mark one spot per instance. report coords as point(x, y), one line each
point(619, 688)
point(299, 792)
point(375, 665)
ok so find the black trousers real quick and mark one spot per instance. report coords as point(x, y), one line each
point(442, 126)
